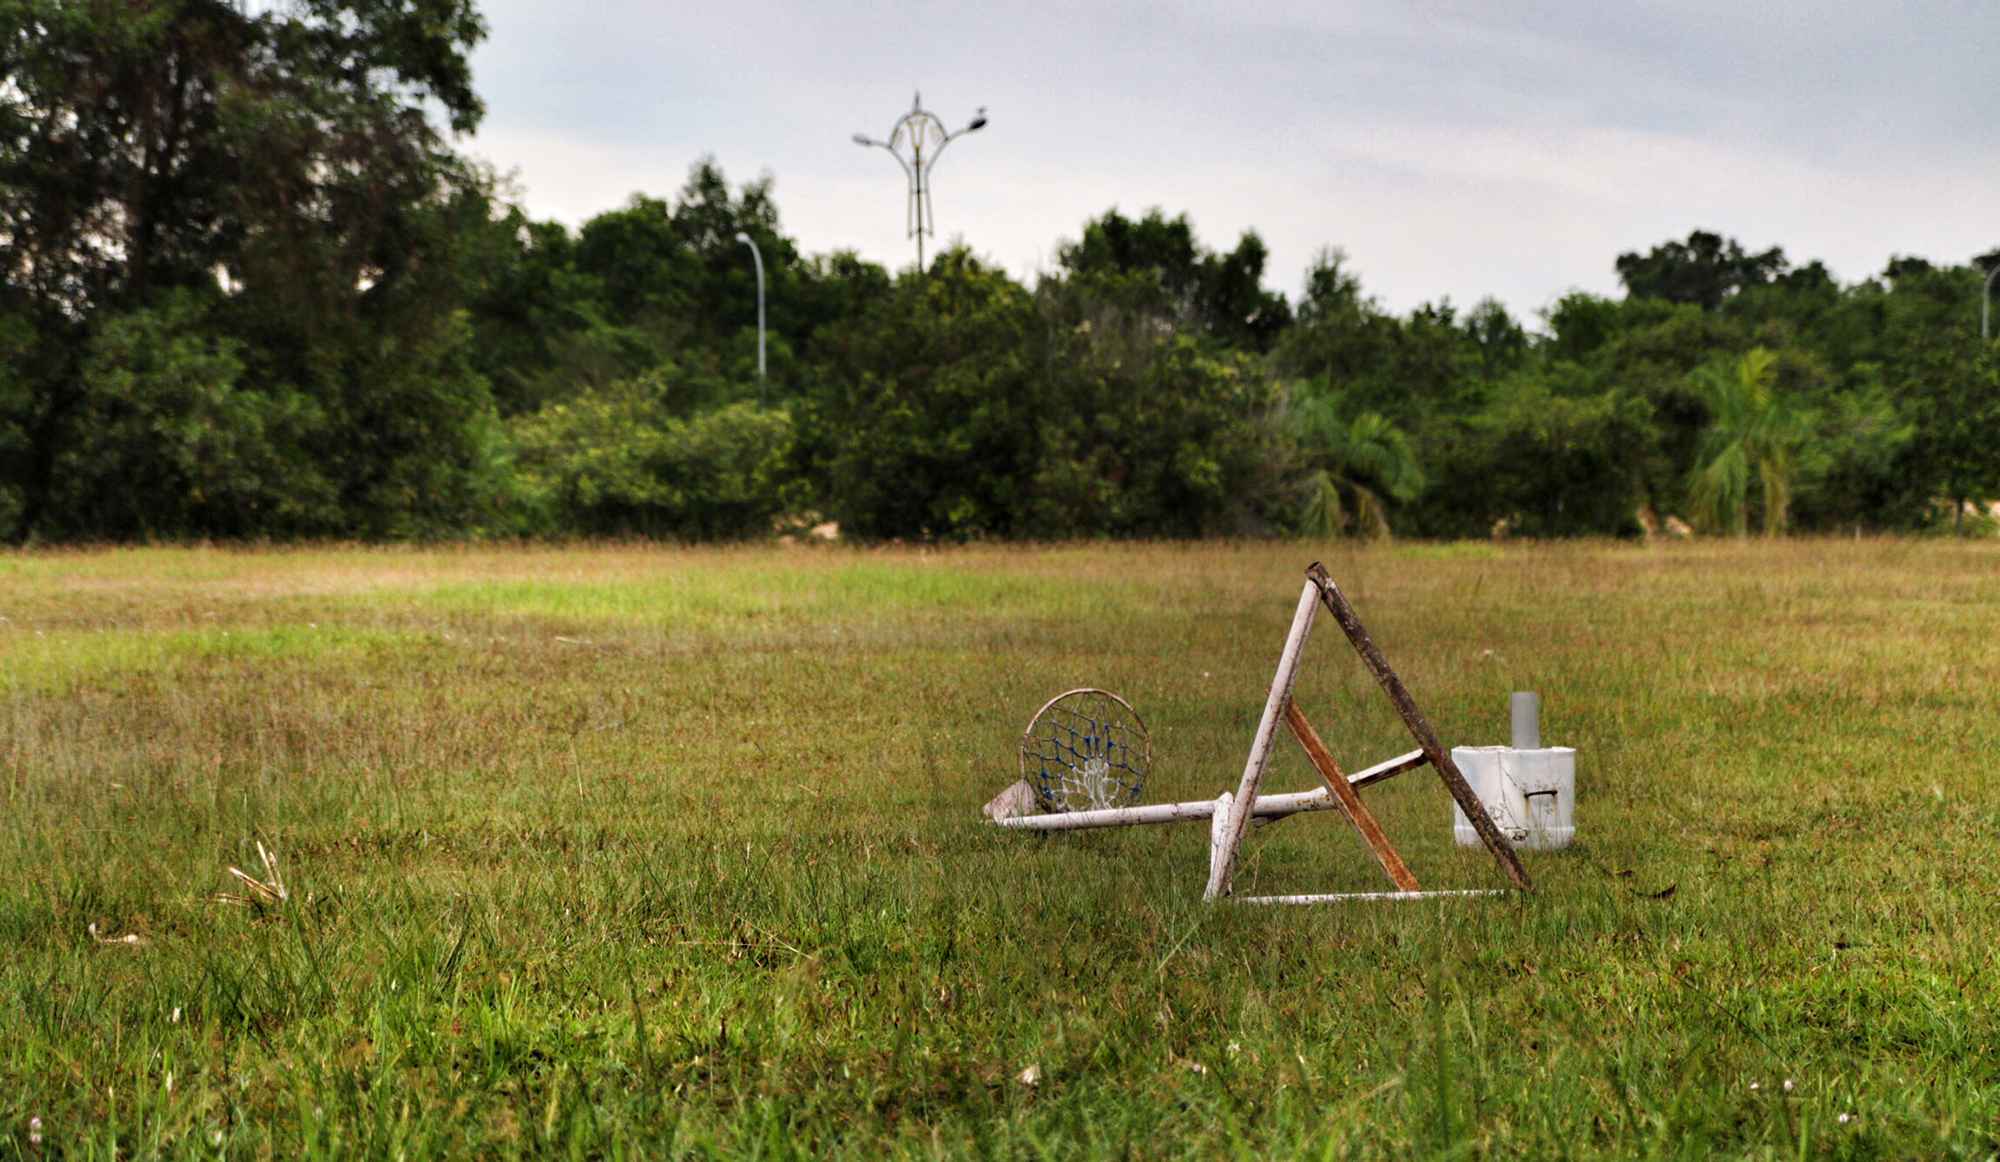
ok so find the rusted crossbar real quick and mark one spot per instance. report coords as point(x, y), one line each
point(1328, 767)
point(1419, 727)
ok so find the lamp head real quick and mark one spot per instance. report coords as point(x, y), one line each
point(978, 120)
point(742, 237)
point(862, 139)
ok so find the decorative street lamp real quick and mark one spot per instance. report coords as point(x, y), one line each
point(922, 137)
point(757, 256)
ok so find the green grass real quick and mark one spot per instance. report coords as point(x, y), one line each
point(633, 851)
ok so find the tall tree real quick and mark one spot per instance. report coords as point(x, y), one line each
point(279, 175)
point(654, 283)
point(1704, 270)
point(1753, 437)
point(1366, 458)
point(1155, 262)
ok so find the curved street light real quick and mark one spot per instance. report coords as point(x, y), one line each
point(921, 136)
point(757, 256)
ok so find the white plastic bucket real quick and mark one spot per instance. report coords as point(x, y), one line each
point(1530, 794)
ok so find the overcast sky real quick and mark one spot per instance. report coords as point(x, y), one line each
point(1452, 149)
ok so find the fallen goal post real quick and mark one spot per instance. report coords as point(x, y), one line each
point(1232, 815)
point(1268, 807)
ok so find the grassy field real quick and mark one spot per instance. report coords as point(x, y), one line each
point(636, 851)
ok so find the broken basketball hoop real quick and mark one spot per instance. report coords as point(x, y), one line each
point(1085, 749)
point(1077, 765)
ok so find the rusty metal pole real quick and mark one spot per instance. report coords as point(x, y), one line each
point(1419, 727)
point(1357, 812)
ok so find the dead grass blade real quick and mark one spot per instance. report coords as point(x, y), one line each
point(266, 893)
point(129, 940)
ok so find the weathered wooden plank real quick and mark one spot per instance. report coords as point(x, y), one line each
point(1357, 812)
point(1419, 727)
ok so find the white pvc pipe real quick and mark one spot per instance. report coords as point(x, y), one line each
point(1230, 838)
point(1113, 816)
point(1524, 714)
point(1268, 806)
point(1336, 897)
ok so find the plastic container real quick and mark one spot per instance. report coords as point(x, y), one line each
point(1530, 794)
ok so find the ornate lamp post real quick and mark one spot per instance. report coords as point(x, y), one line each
point(916, 141)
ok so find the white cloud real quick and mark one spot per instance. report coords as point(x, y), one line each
point(1451, 149)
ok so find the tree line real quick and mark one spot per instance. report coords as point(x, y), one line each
point(249, 288)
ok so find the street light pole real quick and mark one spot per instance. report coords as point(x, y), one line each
point(1986, 301)
point(757, 256)
point(922, 136)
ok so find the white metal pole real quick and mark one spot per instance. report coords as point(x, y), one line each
point(917, 202)
point(757, 256)
point(1260, 749)
point(1268, 806)
point(1986, 301)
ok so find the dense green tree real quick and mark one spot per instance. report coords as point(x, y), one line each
point(1543, 456)
point(1149, 432)
point(1408, 370)
point(1155, 264)
point(162, 439)
point(248, 289)
point(1704, 270)
point(279, 178)
point(624, 459)
point(1501, 341)
point(1364, 459)
point(963, 405)
point(1753, 438)
point(656, 282)
point(1340, 335)
point(921, 419)
point(1952, 394)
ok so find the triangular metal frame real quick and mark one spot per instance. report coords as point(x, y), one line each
point(1228, 830)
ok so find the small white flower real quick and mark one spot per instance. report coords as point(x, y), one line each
point(1032, 1075)
point(1845, 1118)
point(1788, 1085)
point(1197, 1067)
point(35, 1130)
point(1235, 1047)
point(1755, 1086)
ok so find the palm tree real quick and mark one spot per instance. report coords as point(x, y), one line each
point(1753, 432)
point(1354, 462)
